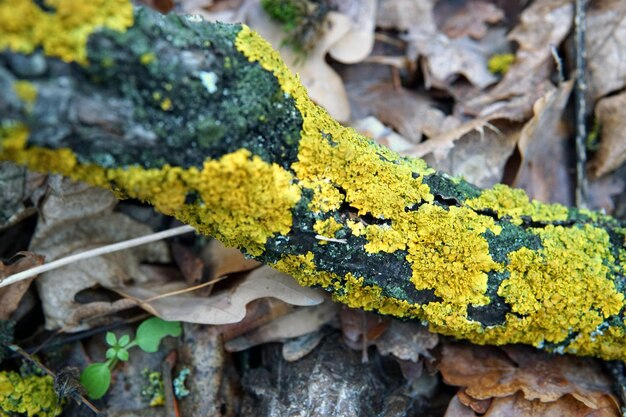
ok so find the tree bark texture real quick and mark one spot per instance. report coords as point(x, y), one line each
point(206, 123)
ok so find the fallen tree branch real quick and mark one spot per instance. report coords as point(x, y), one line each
point(205, 122)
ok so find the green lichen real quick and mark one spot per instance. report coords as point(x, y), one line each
point(28, 395)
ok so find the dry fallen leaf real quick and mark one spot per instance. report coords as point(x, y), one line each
point(447, 58)
point(74, 218)
point(542, 24)
point(224, 260)
point(611, 115)
point(361, 329)
point(543, 144)
point(11, 295)
point(411, 114)
point(407, 341)
point(401, 15)
point(374, 129)
point(298, 322)
point(478, 151)
point(520, 378)
point(357, 43)
point(223, 307)
point(606, 43)
point(467, 18)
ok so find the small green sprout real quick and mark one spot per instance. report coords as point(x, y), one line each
point(96, 378)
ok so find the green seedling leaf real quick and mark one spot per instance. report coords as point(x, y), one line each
point(111, 353)
point(111, 339)
point(122, 355)
point(96, 379)
point(123, 340)
point(151, 331)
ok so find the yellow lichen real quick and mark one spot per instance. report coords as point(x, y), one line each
point(449, 254)
point(147, 58)
point(62, 33)
point(302, 268)
point(166, 104)
point(328, 227)
point(243, 200)
point(370, 297)
point(28, 395)
point(556, 290)
point(26, 91)
point(513, 202)
point(500, 63)
point(332, 157)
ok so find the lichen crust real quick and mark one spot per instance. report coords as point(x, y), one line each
point(451, 247)
point(62, 31)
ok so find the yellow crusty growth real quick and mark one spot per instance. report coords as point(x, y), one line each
point(328, 227)
point(513, 202)
point(64, 32)
point(445, 248)
point(243, 200)
point(26, 91)
point(449, 254)
point(28, 395)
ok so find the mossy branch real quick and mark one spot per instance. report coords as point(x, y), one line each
point(205, 122)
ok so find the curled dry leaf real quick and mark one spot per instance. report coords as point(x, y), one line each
point(11, 295)
point(357, 43)
point(74, 218)
point(528, 379)
point(542, 24)
point(543, 145)
point(407, 341)
point(606, 43)
point(611, 115)
point(223, 307)
point(447, 58)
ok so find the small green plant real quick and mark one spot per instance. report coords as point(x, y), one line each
point(96, 378)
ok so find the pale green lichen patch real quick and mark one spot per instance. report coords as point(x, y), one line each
point(514, 202)
point(63, 32)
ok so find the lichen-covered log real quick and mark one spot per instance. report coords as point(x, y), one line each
point(206, 123)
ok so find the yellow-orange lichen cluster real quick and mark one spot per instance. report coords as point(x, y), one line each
point(63, 33)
